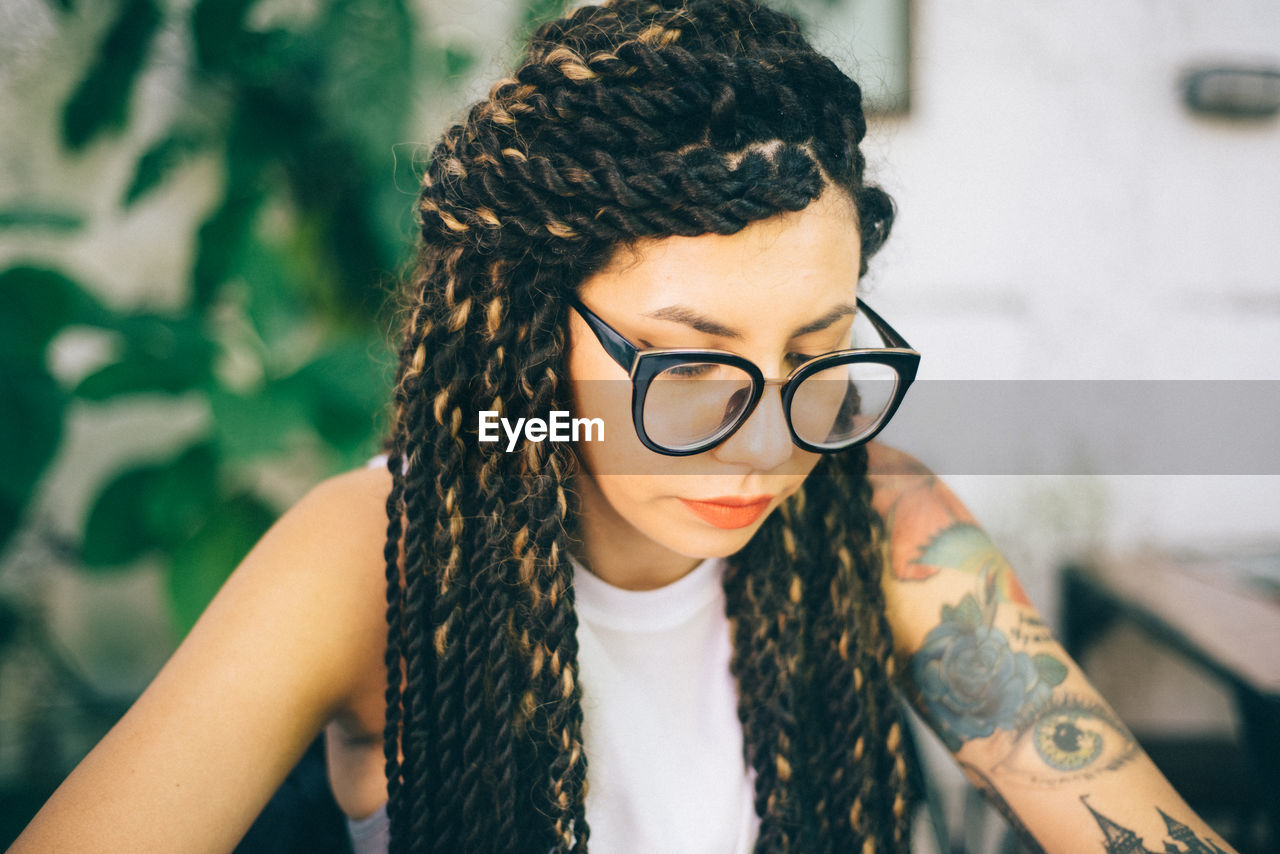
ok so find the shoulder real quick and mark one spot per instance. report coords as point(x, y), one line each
point(340, 520)
point(307, 605)
point(359, 495)
point(937, 551)
point(293, 635)
point(328, 542)
point(910, 497)
point(326, 556)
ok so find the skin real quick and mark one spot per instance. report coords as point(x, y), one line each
point(294, 642)
point(638, 535)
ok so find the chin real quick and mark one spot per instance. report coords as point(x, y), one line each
point(695, 539)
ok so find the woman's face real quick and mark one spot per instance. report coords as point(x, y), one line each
point(778, 292)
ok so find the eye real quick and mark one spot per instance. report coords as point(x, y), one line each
point(1070, 739)
point(693, 370)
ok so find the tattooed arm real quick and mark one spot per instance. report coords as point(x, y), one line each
point(1018, 714)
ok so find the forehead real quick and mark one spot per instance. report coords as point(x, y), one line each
point(775, 272)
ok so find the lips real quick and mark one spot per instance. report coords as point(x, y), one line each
point(729, 511)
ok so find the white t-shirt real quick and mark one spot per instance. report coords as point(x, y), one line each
point(665, 767)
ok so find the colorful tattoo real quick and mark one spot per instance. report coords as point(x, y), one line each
point(971, 682)
point(966, 547)
point(1069, 739)
point(926, 512)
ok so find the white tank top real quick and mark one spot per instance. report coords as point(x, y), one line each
point(665, 767)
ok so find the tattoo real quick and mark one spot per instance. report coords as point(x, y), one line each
point(1070, 739)
point(970, 681)
point(918, 508)
point(1118, 839)
point(917, 501)
point(966, 547)
point(1030, 629)
point(950, 541)
point(984, 785)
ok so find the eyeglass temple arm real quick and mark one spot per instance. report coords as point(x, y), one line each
point(618, 348)
point(890, 335)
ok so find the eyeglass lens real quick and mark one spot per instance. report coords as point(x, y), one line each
point(697, 403)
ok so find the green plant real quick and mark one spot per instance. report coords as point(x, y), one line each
point(280, 337)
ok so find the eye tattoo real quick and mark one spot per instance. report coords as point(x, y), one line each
point(1069, 739)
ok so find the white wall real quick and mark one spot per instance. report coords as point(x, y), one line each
point(1063, 216)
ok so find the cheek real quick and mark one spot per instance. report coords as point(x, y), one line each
point(631, 496)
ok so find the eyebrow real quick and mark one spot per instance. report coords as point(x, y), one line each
point(688, 317)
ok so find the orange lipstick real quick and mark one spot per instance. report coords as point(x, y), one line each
point(729, 511)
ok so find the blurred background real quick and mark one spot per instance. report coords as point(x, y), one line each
point(205, 206)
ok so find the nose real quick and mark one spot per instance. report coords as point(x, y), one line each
point(763, 442)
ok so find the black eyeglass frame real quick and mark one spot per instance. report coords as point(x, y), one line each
point(643, 364)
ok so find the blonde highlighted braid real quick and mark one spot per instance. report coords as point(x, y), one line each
point(624, 121)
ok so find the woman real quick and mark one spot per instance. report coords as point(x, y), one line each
point(681, 629)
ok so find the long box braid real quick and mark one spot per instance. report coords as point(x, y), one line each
point(624, 121)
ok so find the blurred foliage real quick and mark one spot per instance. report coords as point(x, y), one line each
point(302, 106)
point(282, 336)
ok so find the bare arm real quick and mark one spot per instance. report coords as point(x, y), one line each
point(986, 674)
point(274, 657)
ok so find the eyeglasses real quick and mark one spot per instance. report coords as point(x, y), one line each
point(685, 401)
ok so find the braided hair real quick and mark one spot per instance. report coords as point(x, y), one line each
point(635, 119)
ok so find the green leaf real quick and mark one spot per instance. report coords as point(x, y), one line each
point(161, 159)
point(10, 516)
point(960, 546)
point(276, 307)
point(35, 303)
point(368, 59)
point(1051, 671)
point(155, 506)
point(220, 244)
point(345, 388)
point(135, 375)
point(167, 355)
point(458, 61)
point(30, 431)
point(183, 495)
point(254, 426)
point(118, 529)
point(219, 32)
point(10, 618)
point(40, 218)
point(202, 564)
point(101, 101)
point(33, 406)
point(967, 613)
